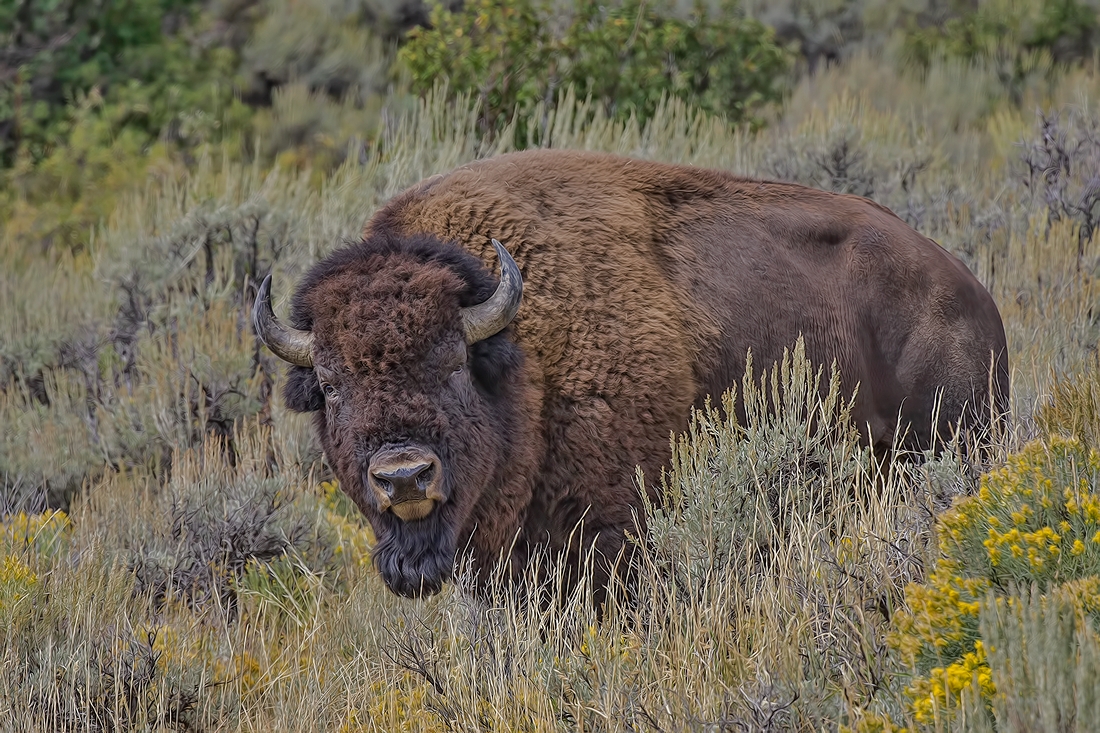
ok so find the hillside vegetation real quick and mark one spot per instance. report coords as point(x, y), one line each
point(175, 554)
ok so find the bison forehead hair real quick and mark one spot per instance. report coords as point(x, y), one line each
point(389, 347)
point(351, 268)
point(384, 303)
point(369, 324)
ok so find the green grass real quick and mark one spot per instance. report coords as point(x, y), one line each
point(184, 589)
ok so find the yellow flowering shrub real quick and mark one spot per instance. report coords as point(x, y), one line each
point(17, 580)
point(43, 533)
point(869, 722)
point(354, 538)
point(1034, 522)
point(22, 538)
point(396, 705)
point(942, 688)
point(1037, 519)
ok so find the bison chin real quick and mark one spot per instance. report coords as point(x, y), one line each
point(416, 559)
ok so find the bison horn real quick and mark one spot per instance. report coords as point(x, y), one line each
point(289, 344)
point(485, 319)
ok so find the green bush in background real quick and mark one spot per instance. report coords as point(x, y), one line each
point(1019, 39)
point(1069, 30)
point(135, 52)
point(628, 55)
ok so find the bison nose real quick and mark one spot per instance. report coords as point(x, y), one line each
point(403, 482)
point(406, 479)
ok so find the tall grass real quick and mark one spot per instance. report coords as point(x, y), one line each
point(207, 575)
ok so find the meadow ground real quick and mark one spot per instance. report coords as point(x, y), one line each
point(205, 573)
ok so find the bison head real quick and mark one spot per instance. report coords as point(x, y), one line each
point(398, 349)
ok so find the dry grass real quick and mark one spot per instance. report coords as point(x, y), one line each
point(209, 578)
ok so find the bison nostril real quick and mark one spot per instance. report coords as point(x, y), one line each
point(424, 478)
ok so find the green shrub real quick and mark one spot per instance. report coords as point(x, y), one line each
point(1068, 29)
point(629, 55)
point(65, 49)
point(1020, 39)
point(90, 115)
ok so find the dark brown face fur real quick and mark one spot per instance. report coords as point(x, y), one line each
point(392, 372)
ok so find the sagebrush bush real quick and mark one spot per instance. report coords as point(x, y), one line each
point(75, 654)
point(125, 626)
point(228, 523)
point(46, 450)
point(1044, 652)
point(324, 44)
point(736, 490)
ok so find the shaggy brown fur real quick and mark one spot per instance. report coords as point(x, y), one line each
point(644, 285)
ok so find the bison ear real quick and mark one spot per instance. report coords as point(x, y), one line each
point(493, 362)
point(301, 392)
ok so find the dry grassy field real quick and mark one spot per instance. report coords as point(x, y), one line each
point(175, 556)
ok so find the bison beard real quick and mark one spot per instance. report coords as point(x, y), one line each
point(644, 286)
point(416, 559)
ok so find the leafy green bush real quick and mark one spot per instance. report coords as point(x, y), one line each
point(1068, 29)
point(100, 91)
point(59, 51)
point(629, 55)
point(1020, 39)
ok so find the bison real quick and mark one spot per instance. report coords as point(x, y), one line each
point(463, 413)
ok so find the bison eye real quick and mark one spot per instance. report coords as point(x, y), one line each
point(460, 363)
point(329, 390)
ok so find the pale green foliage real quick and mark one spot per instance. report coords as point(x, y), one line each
point(320, 43)
point(1044, 654)
point(737, 493)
